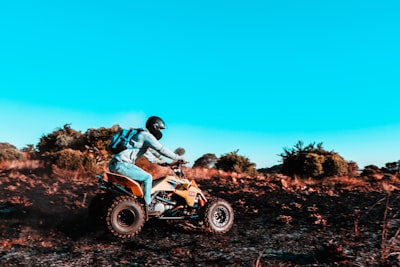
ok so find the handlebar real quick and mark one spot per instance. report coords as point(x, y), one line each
point(176, 163)
point(176, 167)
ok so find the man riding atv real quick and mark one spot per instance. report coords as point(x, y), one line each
point(130, 197)
point(143, 143)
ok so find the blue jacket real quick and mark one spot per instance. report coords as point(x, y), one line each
point(145, 144)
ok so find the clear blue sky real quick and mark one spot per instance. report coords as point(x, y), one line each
point(257, 76)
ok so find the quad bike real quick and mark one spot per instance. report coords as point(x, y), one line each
point(121, 207)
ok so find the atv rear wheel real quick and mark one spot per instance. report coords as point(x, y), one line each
point(218, 216)
point(125, 217)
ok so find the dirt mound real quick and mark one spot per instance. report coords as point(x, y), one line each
point(278, 222)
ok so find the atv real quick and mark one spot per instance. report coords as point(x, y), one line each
point(121, 209)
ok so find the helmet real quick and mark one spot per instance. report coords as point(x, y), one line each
point(155, 124)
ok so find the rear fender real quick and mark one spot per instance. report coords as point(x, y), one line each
point(124, 181)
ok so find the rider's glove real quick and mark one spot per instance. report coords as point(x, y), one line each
point(183, 160)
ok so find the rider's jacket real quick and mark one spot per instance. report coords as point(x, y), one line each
point(145, 144)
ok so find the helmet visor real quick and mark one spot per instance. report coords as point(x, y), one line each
point(159, 126)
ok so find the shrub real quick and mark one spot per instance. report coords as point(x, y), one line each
point(100, 138)
point(61, 139)
point(371, 170)
point(70, 149)
point(335, 165)
point(233, 162)
point(352, 169)
point(9, 152)
point(206, 161)
point(180, 151)
point(312, 161)
point(313, 165)
point(392, 167)
point(72, 160)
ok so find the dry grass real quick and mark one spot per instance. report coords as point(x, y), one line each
point(284, 202)
point(21, 164)
point(330, 184)
point(390, 243)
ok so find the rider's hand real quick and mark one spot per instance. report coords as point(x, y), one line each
point(183, 160)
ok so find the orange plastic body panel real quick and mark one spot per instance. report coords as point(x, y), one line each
point(125, 182)
point(184, 188)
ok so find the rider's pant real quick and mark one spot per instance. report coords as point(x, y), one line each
point(135, 173)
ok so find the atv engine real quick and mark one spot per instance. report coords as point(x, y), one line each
point(163, 202)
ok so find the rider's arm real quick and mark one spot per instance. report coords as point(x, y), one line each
point(152, 142)
point(150, 156)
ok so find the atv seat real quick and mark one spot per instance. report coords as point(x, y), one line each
point(124, 181)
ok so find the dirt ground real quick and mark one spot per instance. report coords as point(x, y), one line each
point(278, 222)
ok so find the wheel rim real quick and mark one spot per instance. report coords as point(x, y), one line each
point(126, 218)
point(221, 216)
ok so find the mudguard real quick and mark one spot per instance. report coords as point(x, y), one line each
point(124, 181)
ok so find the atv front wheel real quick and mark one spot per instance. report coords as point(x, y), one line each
point(125, 217)
point(218, 216)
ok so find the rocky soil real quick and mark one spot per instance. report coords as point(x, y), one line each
point(278, 222)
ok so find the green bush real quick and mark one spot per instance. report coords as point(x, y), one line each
point(98, 139)
point(371, 170)
point(206, 161)
point(69, 159)
point(61, 139)
point(233, 162)
point(70, 149)
point(312, 161)
point(73, 160)
point(335, 165)
point(180, 151)
point(313, 165)
point(9, 152)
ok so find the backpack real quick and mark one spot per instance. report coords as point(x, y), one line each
point(121, 140)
